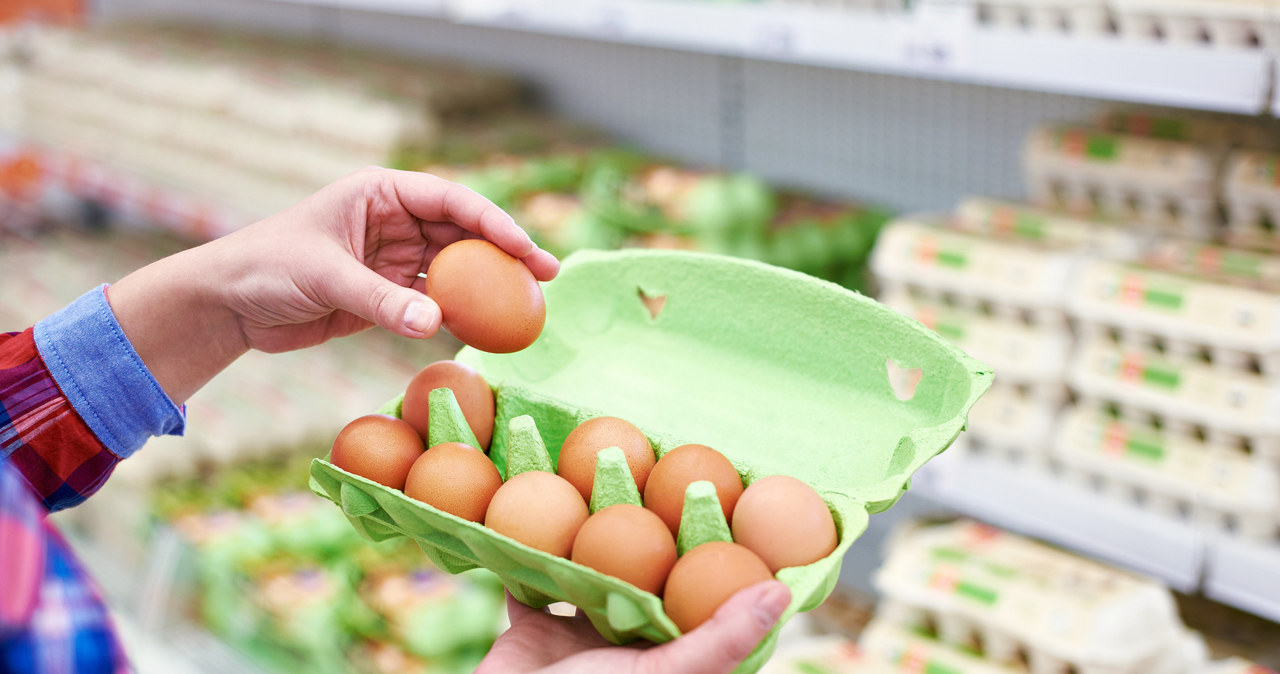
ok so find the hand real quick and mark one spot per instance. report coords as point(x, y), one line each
point(540, 642)
point(343, 259)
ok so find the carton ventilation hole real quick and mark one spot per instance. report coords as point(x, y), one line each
point(903, 380)
point(654, 303)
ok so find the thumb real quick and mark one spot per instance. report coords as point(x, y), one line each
point(723, 642)
point(359, 290)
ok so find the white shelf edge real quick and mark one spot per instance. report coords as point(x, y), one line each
point(942, 44)
point(1037, 505)
point(1245, 575)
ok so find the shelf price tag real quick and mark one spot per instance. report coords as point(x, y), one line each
point(776, 39)
point(935, 36)
point(611, 21)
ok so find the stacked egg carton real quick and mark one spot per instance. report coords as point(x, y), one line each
point(1251, 194)
point(854, 5)
point(1066, 17)
point(1166, 185)
point(1220, 24)
point(993, 280)
point(1216, 24)
point(976, 599)
point(1178, 407)
point(236, 118)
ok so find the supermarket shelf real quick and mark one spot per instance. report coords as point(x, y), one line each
point(1037, 505)
point(937, 41)
point(1245, 575)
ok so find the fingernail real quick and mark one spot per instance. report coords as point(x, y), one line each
point(420, 316)
point(771, 604)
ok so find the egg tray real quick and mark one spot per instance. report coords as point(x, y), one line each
point(781, 372)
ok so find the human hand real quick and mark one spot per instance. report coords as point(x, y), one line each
point(345, 258)
point(540, 642)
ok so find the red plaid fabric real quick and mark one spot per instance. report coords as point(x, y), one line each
point(51, 616)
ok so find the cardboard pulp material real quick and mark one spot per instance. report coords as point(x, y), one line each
point(781, 372)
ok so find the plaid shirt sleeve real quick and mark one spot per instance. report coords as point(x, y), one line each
point(75, 399)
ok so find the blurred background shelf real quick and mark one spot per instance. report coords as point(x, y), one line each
point(1245, 575)
point(1037, 505)
point(942, 41)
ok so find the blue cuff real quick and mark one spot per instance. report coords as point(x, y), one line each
point(103, 377)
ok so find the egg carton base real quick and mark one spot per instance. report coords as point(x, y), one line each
point(1190, 214)
point(1158, 337)
point(1248, 524)
point(1038, 316)
point(998, 646)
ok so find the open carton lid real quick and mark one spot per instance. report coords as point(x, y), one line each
point(781, 372)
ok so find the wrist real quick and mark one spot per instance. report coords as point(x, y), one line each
point(174, 312)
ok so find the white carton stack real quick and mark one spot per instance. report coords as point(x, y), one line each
point(1219, 24)
point(990, 601)
point(1251, 192)
point(1178, 402)
point(993, 279)
point(1066, 17)
point(1229, 25)
point(234, 118)
point(1166, 185)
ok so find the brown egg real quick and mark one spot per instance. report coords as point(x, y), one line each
point(488, 299)
point(538, 509)
point(378, 447)
point(456, 478)
point(705, 577)
point(627, 542)
point(473, 394)
point(785, 522)
point(682, 466)
point(577, 462)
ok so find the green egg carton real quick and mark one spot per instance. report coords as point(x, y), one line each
point(781, 372)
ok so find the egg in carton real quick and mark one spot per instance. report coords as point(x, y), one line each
point(1167, 185)
point(1020, 280)
point(1226, 321)
point(1219, 24)
point(1230, 408)
point(1221, 488)
point(1026, 605)
point(1074, 19)
point(715, 362)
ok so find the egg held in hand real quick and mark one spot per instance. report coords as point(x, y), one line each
point(785, 522)
point(488, 299)
point(705, 577)
point(627, 542)
point(379, 447)
point(456, 478)
point(539, 509)
point(682, 466)
point(577, 460)
point(470, 389)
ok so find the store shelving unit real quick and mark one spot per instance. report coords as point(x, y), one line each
point(1244, 575)
point(938, 48)
point(1038, 505)
point(938, 41)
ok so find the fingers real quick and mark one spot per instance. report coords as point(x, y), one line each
point(723, 642)
point(544, 265)
point(517, 611)
point(437, 200)
point(357, 289)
